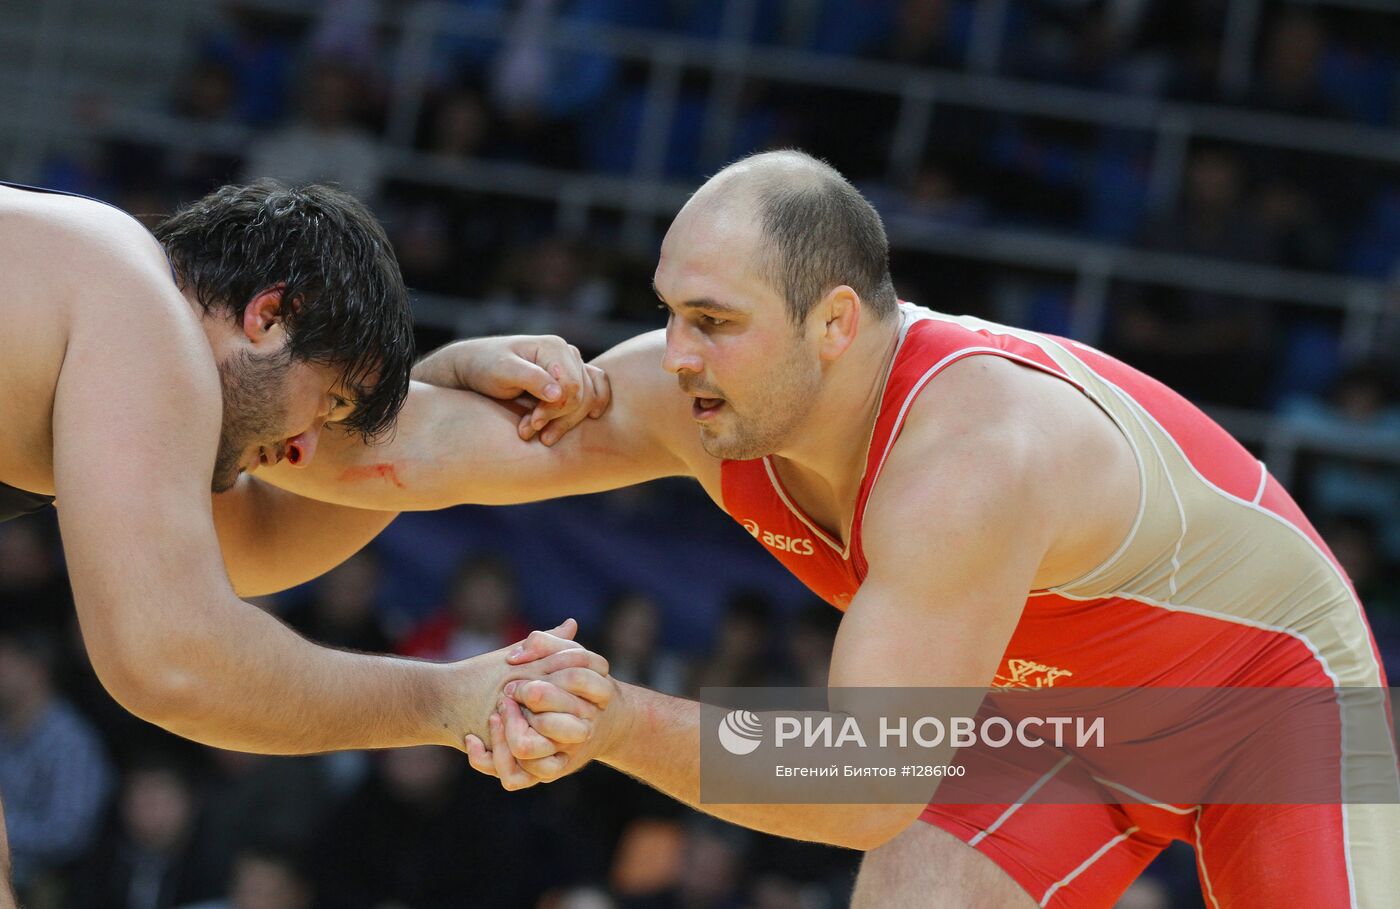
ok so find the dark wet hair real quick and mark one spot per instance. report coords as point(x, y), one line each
point(820, 232)
point(349, 307)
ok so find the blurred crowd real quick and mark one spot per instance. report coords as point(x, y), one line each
point(105, 811)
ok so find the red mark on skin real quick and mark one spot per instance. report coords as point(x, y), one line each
point(384, 471)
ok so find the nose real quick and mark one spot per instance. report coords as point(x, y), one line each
point(302, 448)
point(680, 355)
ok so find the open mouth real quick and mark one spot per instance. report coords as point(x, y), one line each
point(706, 408)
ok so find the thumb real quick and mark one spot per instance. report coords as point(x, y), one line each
point(565, 629)
point(540, 644)
point(522, 375)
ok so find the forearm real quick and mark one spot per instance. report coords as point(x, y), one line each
point(658, 741)
point(272, 539)
point(243, 681)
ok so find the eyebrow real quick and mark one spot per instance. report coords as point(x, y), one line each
point(702, 303)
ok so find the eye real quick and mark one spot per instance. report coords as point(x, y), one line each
point(712, 322)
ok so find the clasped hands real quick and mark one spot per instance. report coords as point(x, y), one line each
point(551, 716)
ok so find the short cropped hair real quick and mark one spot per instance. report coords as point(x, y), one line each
point(820, 233)
point(346, 303)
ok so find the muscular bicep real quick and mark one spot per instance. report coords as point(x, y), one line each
point(453, 447)
point(273, 539)
point(953, 545)
point(136, 420)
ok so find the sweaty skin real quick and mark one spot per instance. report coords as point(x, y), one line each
point(461, 451)
point(984, 437)
point(113, 404)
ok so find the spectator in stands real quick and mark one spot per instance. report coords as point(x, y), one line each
point(326, 142)
point(207, 101)
point(341, 610)
point(1289, 80)
point(1355, 541)
point(33, 586)
point(630, 636)
point(810, 642)
point(933, 193)
point(406, 837)
point(253, 799)
point(710, 875)
point(151, 859)
point(547, 287)
point(482, 614)
point(1207, 346)
point(1187, 34)
point(256, 46)
point(1361, 407)
point(929, 33)
point(742, 656)
point(459, 125)
point(1297, 230)
point(53, 772)
point(265, 877)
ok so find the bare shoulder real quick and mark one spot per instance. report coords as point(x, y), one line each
point(72, 254)
point(998, 446)
point(92, 233)
point(967, 447)
point(82, 283)
point(650, 399)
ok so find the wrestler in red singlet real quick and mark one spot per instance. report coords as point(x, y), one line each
point(1221, 582)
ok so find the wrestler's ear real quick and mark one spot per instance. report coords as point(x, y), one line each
point(263, 316)
point(839, 312)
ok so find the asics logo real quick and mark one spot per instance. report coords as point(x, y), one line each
point(795, 545)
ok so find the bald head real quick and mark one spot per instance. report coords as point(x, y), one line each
point(817, 231)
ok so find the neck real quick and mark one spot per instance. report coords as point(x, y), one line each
point(830, 447)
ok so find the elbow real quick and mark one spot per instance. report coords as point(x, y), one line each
point(878, 825)
point(157, 689)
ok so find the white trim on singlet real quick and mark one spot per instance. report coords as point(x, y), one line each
point(844, 549)
point(1143, 412)
point(1172, 809)
point(1084, 866)
point(1263, 482)
point(1346, 587)
point(799, 513)
point(1171, 484)
point(928, 375)
point(1040, 342)
point(1205, 877)
point(1141, 797)
point(1016, 805)
point(1211, 614)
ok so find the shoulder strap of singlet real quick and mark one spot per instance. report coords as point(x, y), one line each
point(929, 344)
point(63, 192)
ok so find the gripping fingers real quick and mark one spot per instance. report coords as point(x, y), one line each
point(547, 770)
point(554, 420)
point(543, 643)
point(602, 390)
point(561, 729)
point(571, 657)
point(521, 738)
point(540, 696)
point(479, 756)
point(511, 775)
point(593, 687)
